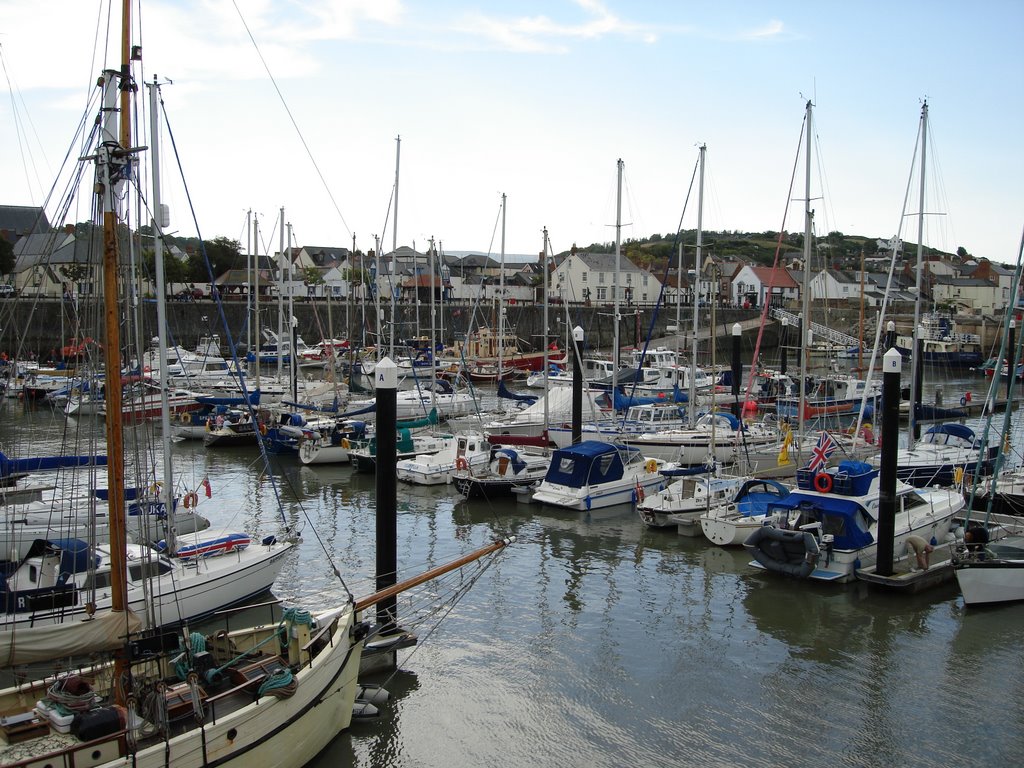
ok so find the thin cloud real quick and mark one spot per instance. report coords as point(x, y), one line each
point(772, 30)
point(533, 34)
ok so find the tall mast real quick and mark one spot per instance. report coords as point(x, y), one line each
point(293, 346)
point(394, 249)
point(916, 357)
point(376, 295)
point(248, 279)
point(618, 256)
point(805, 319)
point(112, 161)
point(501, 293)
point(431, 258)
point(692, 405)
point(280, 295)
point(159, 223)
point(255, 321)
point(442, 272)
point(544, 337)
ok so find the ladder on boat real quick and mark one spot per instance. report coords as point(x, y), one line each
point(820, 331)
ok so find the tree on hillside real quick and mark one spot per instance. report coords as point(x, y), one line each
point(962, 253)
point(222, 253)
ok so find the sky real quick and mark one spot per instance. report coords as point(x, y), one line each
point(296, 104)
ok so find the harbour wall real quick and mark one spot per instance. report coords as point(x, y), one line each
point(46, 324)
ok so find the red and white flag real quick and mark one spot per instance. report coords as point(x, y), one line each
point(206, 487)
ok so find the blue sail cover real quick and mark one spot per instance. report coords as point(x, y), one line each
point(10, 467)
point(586, 463)
point(518, 465)
point(254, 399)
point(842, 516)
point(508, 394)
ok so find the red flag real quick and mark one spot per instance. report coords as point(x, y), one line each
point(206, 487)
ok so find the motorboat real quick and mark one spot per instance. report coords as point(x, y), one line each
point(943, 455)
point(61, 580)
point(508, 468)
point(464, 451)
point(730, 524)
point(681, 503)
point(827, 527)
point(594, 474)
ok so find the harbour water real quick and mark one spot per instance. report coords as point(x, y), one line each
point(593, 641)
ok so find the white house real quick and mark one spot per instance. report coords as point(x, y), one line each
point(973, 294)
point(591, 277)
point(833, 285)
point(751, 285)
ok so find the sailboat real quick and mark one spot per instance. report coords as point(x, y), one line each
point(946, 449)
point(273, 694)
point(67, 580)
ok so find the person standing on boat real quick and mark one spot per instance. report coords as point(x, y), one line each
point(922, 549)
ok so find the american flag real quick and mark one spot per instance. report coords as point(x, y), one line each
point(819, 456)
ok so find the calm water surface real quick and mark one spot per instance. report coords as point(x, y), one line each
point(595, 642)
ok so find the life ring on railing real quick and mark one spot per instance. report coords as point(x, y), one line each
point(191, 499)
point(823, 482)
point(185, 418)
point(461, 463)
point(263, 428)
point(651, 465)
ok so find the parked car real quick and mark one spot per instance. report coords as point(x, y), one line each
point(7, 291)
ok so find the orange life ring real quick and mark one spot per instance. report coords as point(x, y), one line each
point(191, 499)
point(823, 482)
point(461, 463)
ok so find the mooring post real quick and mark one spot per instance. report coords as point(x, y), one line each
point(892, 364)
point(386, 377)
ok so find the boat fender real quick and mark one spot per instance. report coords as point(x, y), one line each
point(191, 499)
point(823, 482)
point(263, 428)
point(963, 400)
point(652, 465)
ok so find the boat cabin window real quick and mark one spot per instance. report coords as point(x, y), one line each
point(565, 465)
point(33, 574)
point(100, 580)
point(147, 570)
point(912, 500)
point(605, 463)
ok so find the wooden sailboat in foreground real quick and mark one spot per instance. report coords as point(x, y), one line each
point(269, 695)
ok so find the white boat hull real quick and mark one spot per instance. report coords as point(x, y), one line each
point(598, 496)
point(997, 581)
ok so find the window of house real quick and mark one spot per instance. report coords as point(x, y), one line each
point(584, 277)
point(602, 294)
point(645, 281)
point(600, 277)
point(629, 278)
